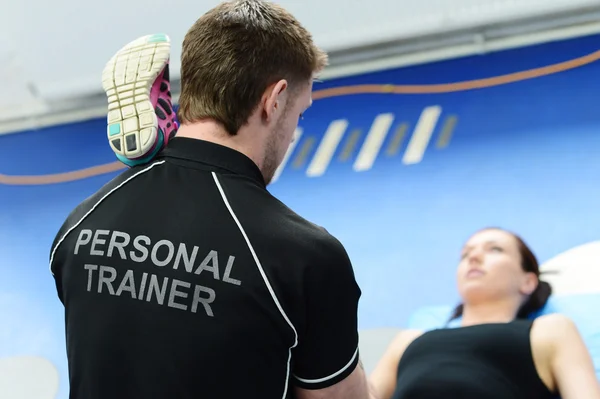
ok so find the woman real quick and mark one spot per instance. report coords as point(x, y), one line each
point(497, 352)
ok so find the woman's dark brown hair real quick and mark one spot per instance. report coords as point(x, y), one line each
point(529, 263)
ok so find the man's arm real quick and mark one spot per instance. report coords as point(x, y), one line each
point(326, 361)
point(353, 386)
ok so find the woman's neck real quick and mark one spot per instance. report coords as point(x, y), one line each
point(489, 312)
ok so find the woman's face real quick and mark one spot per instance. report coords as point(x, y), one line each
point(490, 268)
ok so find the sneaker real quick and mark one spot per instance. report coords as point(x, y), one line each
point(141, 119)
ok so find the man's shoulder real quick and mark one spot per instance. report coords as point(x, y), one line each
point(296, 227)
point(275, 225)
point(88, 205)
point(108, 189)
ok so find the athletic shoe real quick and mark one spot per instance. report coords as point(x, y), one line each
point(141, 119)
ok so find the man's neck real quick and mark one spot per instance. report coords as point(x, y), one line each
point(215, 133)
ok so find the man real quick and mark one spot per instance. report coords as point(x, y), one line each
point(183, 277)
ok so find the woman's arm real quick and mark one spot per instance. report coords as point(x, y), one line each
point(383, 378)
point(569, 360)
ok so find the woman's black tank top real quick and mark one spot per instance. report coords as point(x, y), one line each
point(487, 361)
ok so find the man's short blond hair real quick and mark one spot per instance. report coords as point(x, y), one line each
point(234, 52)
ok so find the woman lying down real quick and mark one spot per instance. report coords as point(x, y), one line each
point(497, 352)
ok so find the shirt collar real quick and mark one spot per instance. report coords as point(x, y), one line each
point(205, 152)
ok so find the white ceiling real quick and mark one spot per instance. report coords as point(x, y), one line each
point(51, 51)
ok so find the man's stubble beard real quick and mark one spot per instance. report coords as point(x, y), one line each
point(272, 158)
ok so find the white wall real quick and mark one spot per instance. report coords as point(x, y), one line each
point(61, 46)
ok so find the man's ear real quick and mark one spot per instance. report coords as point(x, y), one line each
point(273, 100)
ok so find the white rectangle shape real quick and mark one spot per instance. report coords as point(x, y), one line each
point(422, 135)
point(288, 154)
point(372, 145)
point(327, 148)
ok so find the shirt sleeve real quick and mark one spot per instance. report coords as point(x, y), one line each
point(327, 350)
point(55, 260)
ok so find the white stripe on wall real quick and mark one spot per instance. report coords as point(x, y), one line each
point(327, 148)
point(372, 145)
point(422, 135)
point(288, 154)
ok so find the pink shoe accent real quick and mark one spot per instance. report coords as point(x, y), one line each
point(160, 97)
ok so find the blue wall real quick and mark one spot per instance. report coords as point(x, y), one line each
point(524, 156)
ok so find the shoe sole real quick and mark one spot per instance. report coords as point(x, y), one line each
point(127, 80)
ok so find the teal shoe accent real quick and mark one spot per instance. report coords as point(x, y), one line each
point(157, 38)
point(113, 129)
point(147, 158)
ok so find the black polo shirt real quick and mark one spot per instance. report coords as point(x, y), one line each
point(186, 278)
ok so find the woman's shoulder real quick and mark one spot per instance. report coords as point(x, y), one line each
point(552, 326)
point(550, 331)
point(383, 378)
point(555, 319)
point(403, 339)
